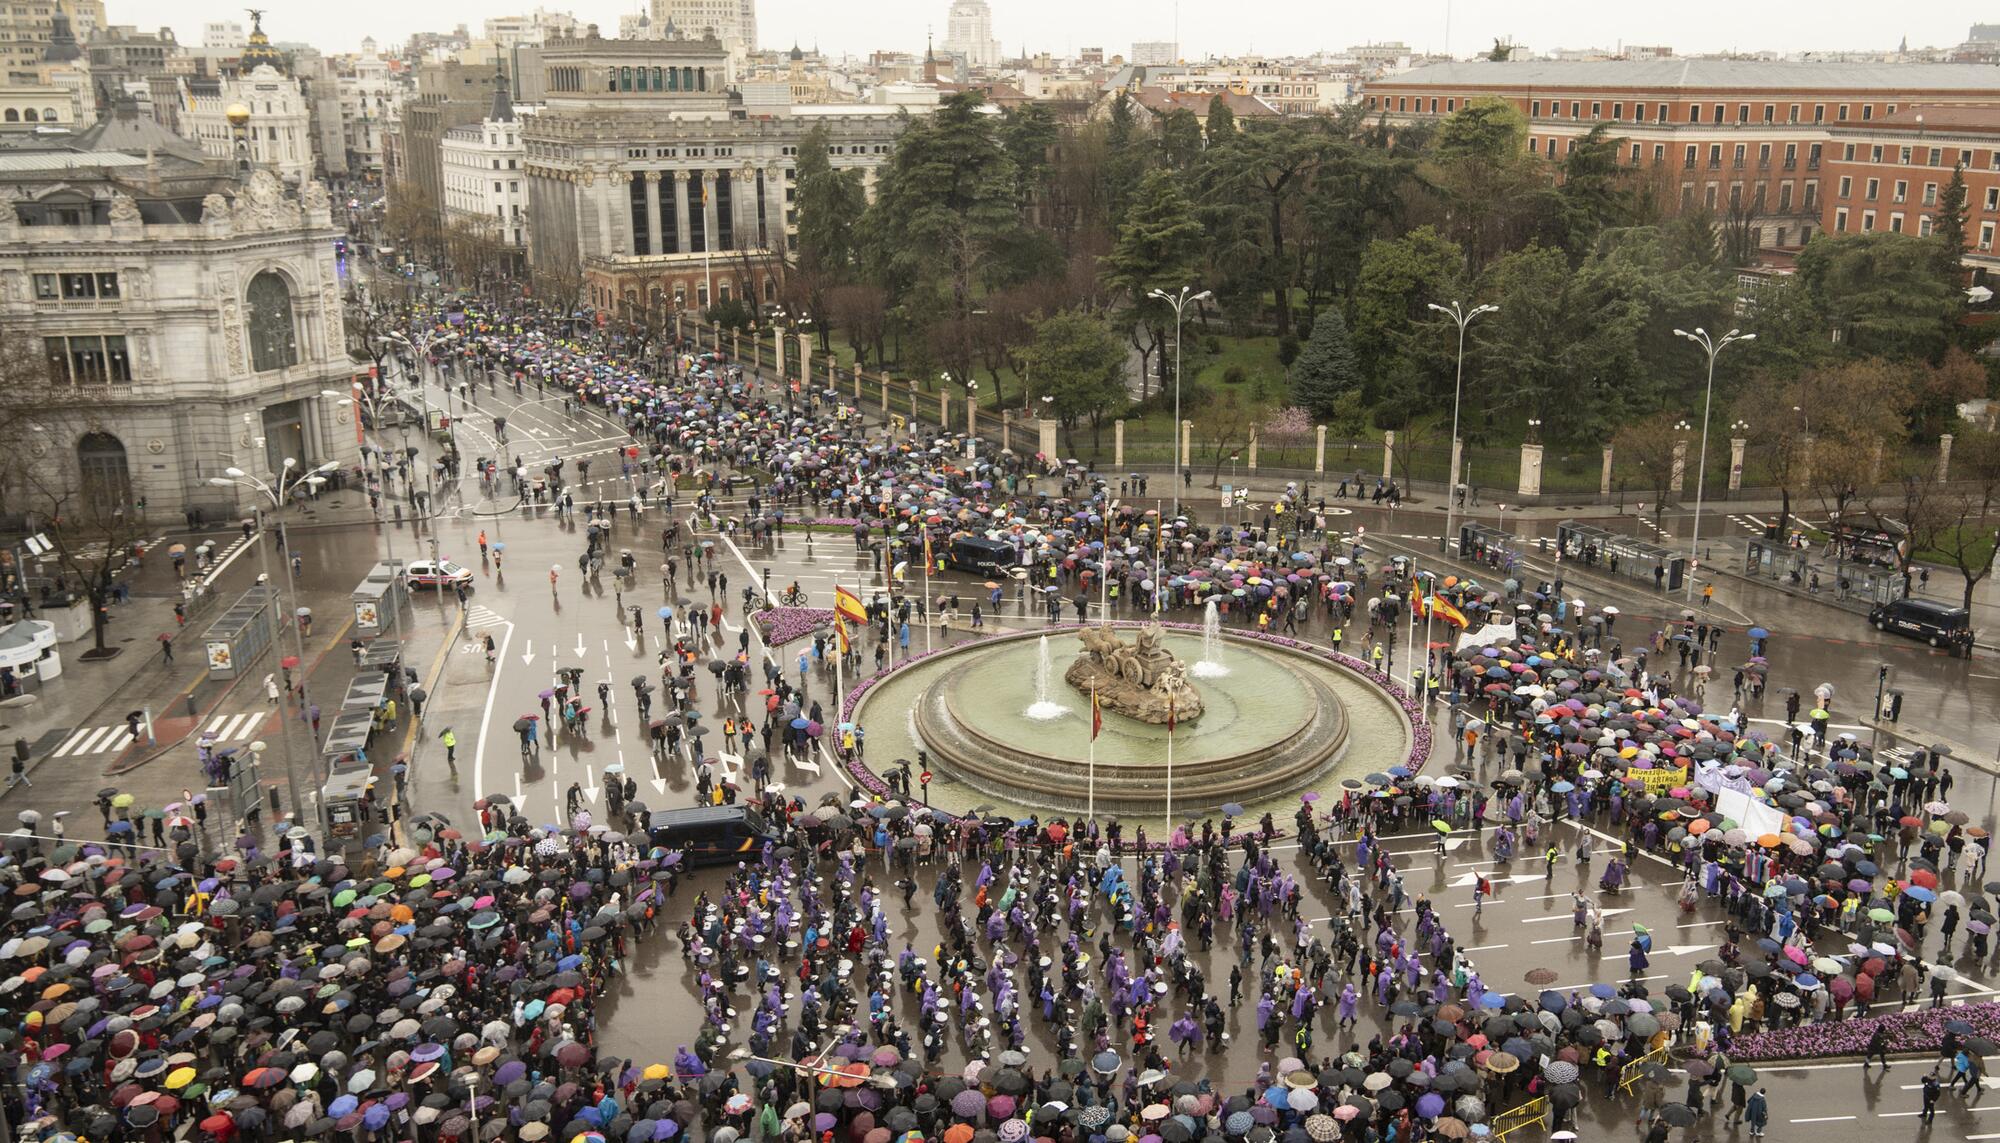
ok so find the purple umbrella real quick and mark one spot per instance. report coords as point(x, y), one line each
point(1430, 1105)
point(968, 1104)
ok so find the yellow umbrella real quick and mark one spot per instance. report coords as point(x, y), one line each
point(657, 1072)
point(179, 1078)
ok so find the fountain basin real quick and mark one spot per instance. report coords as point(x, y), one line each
point(1277, 724)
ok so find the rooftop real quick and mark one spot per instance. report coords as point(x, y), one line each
point(1703, 73)
point(1970, 117)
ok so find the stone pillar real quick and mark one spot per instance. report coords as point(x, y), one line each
point(1187, 449)
point(1253, 448)
point(1454, 476)
point(708, 215)
point(805, 362)
point(683, 227)
point(597, 195)
point(735, 345)
point(1046, 444)
point(885, 392)
point(1118, 444)
point(857, 378)
point(1604, 474)
point(1319, 450)
point(655, 240)
point(1006, 429)
point(1944, 457)
point(971, 416)
point(1531, 470)
point(1677, 475)
point(1389, 454)
point(743, 204)
point(944, 407)
point(778, 344)
point(1736, 447)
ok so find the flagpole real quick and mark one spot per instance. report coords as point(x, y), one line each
point(1090, 812)
point(927, 591)
point(1170, 775)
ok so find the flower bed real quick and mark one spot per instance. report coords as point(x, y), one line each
point(1919, 1031)
point(1420, 732)
point(780, 625)
point(847, 522)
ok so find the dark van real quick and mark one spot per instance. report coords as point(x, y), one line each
point(1938, 624)
point(982, 556)
point(713, 835)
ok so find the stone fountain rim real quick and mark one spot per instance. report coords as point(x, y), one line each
point(1411, 707)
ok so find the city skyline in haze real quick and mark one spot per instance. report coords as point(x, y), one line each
point(1114, 25)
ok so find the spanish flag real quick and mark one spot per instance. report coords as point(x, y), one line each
point(1170, 714)
point(1096, 716)
point(848, 605)
point(840, 632)
point(1445, 611)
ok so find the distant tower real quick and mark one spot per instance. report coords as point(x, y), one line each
point(969, 33)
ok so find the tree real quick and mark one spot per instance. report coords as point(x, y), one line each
point(1027, 133)
point(860, 309)
point(945, 201)
point(1972, 505)
point(1180, 140)
point(1081, 364)
point(1158, 247)
point(1272, 163)
point(1882, 292)
point(1393, 325)
point(1327, 369)
point(1653, 445)
point(1593, 195)
point(1221, 120)
point(828, 202)
point(1948, 228)
point(1222, 430)
point(1857, 410)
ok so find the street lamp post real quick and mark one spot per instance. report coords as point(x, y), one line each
point(1461, 317)
point(275, 494)
point(1180, 303)
point(1711, 346)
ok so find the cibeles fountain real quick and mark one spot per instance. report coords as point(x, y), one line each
point(997, 726)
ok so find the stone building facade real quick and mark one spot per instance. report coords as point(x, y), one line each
point(647, 172)
point(193, 313)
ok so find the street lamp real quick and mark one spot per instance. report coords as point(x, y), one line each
point(1180, 303)
point(1534, 430)
point(276, 494)
point(1462, 317)
point(1710, 346)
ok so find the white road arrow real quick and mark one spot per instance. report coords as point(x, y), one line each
point(1471, 879)
point(659, 786)
point(517, 789)
point(579, 644)
point(631, 639)
point(1683, 950)
point(590, 782)
point(528, 656)
point(1564, 916)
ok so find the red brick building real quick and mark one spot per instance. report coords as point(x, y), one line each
point(1888, 174)
point(1749, 139)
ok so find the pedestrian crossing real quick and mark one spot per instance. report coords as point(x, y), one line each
point(86, 741)
point(478, 616)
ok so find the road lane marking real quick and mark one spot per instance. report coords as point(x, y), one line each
point(1827, 1119)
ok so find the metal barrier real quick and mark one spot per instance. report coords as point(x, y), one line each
point(1529, 1114)
point(1628, 1075)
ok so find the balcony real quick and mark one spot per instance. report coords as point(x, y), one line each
point(1791, 164)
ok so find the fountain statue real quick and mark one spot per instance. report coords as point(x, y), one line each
point(1138, 680)
point(1044, 708)
point(1210, 665)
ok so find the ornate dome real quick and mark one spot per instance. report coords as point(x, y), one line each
point(259, 52)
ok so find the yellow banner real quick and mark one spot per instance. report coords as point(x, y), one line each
point(1659, 781)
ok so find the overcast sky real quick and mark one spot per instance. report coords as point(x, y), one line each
point(1285, 27)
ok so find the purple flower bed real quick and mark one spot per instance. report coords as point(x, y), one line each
point(1420, 732)
point(832, 522)
point(781, 625)
point(1919, 1031)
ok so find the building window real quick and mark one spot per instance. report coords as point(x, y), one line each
point(1874, 188)
point(1596, 110)
point(1867, 221)
point(46, 289)
point(1986, 236)
point(273, 343)
point(1784, 202)
point(76, 287)
point(1902, 190)
point(1535, 109)
point(1840, 221)
point(1993, 198)
point(1770, 112)
point(1812, 196)
point(1842, 114)
point(1924, 226)
point(1690, 156)
point(1906, 156)
point(1896, 222)
point(87, 360)
point(1867, 112)
point(1930, 194)
point(1694, 112)
point(1618, 111)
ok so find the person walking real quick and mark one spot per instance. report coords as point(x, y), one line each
point(1878, 1046)
point(1757, 1113)
point(19, 775)
point(1932, 1089)
point(166, 647)
point(450, 741)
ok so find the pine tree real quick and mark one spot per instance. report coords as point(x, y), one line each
point(1948, 228)
point(1326, 368)
point(1221, 120)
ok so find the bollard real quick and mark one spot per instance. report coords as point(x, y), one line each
point(274, 803)
point(190, 705)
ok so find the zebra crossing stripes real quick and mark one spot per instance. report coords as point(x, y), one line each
point(93, 740)
point(478, 616)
